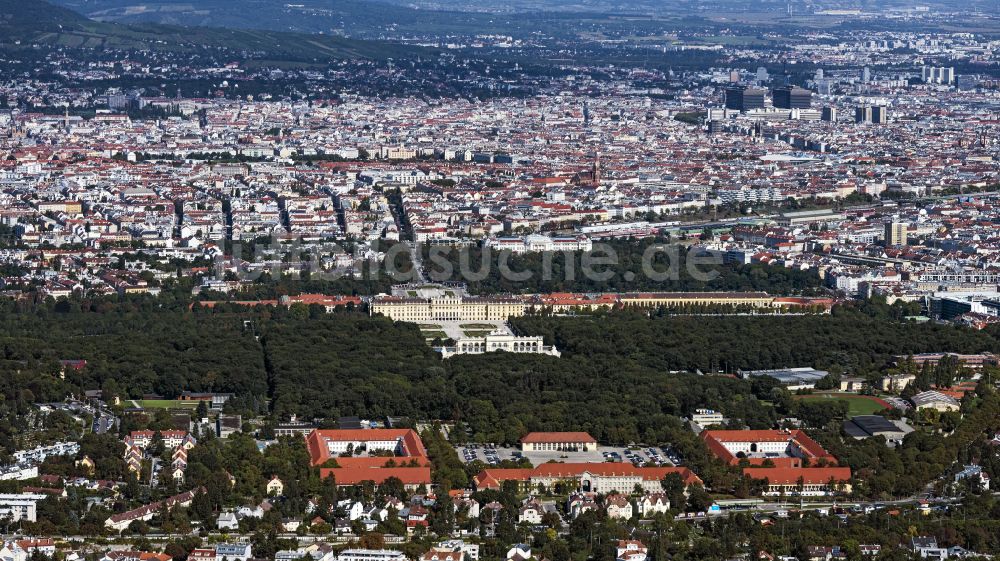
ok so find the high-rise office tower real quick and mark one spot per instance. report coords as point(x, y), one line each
point(938, 74)
point(741, 98)
point(792, 97)
point(880, 114)
point(895, 234)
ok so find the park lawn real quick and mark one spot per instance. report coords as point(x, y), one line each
point(476, 333)
point(489, 326)
point(167, 404)
point(434, 334)
point(857, 404)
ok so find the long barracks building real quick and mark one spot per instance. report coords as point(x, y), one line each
point(790, 462)
point(598, 477)
point(656, 299)
point(562, 302)
point(457, 306)
point(359, 456)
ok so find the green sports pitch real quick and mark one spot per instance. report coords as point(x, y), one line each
point(857, 404)
point(166, 404)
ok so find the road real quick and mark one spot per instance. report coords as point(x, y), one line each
point(775, 507)
point(418, 260)
point(217, 537)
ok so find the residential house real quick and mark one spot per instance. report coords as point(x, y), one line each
point(355, 509)
point(531, 512)
point(202, 554)
point(630, 550)
point(618, 506)
point(234, 551)
point(250, 512)
point(121, 521)
point(653, 503)
point(227, 521)
point(470, 505)
point(22, 550)
point(825, 553)
point(471, 550)
point(436, 554)
point(275, 487)
point(870, 550)
point(520, 552)
point(927, 548)
point(976, 475)
point(417, 516)
point(578, 503)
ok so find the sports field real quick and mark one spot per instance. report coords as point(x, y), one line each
point(166, 404)
point(857, 404)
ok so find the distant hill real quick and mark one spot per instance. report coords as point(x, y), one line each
point(38, 21)
point(375, 19)
point(361, 18)
point(20, 19)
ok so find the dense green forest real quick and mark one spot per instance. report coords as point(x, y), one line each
point(131, 348)
point(565, 271)
point(624, 376)
point(848, 340)
point(326, 365)
point(343, 364)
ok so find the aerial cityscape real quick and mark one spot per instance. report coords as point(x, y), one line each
point(544, 280)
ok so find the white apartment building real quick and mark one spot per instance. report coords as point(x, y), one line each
point(371, 555)
point(20, 506)
point(471, 550)
point(18, 472)
point(707, 417)
point(39, 454)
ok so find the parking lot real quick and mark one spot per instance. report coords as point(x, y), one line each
point(493, 455)
point(487, 453)
point(103, 424)
point(659, 455)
